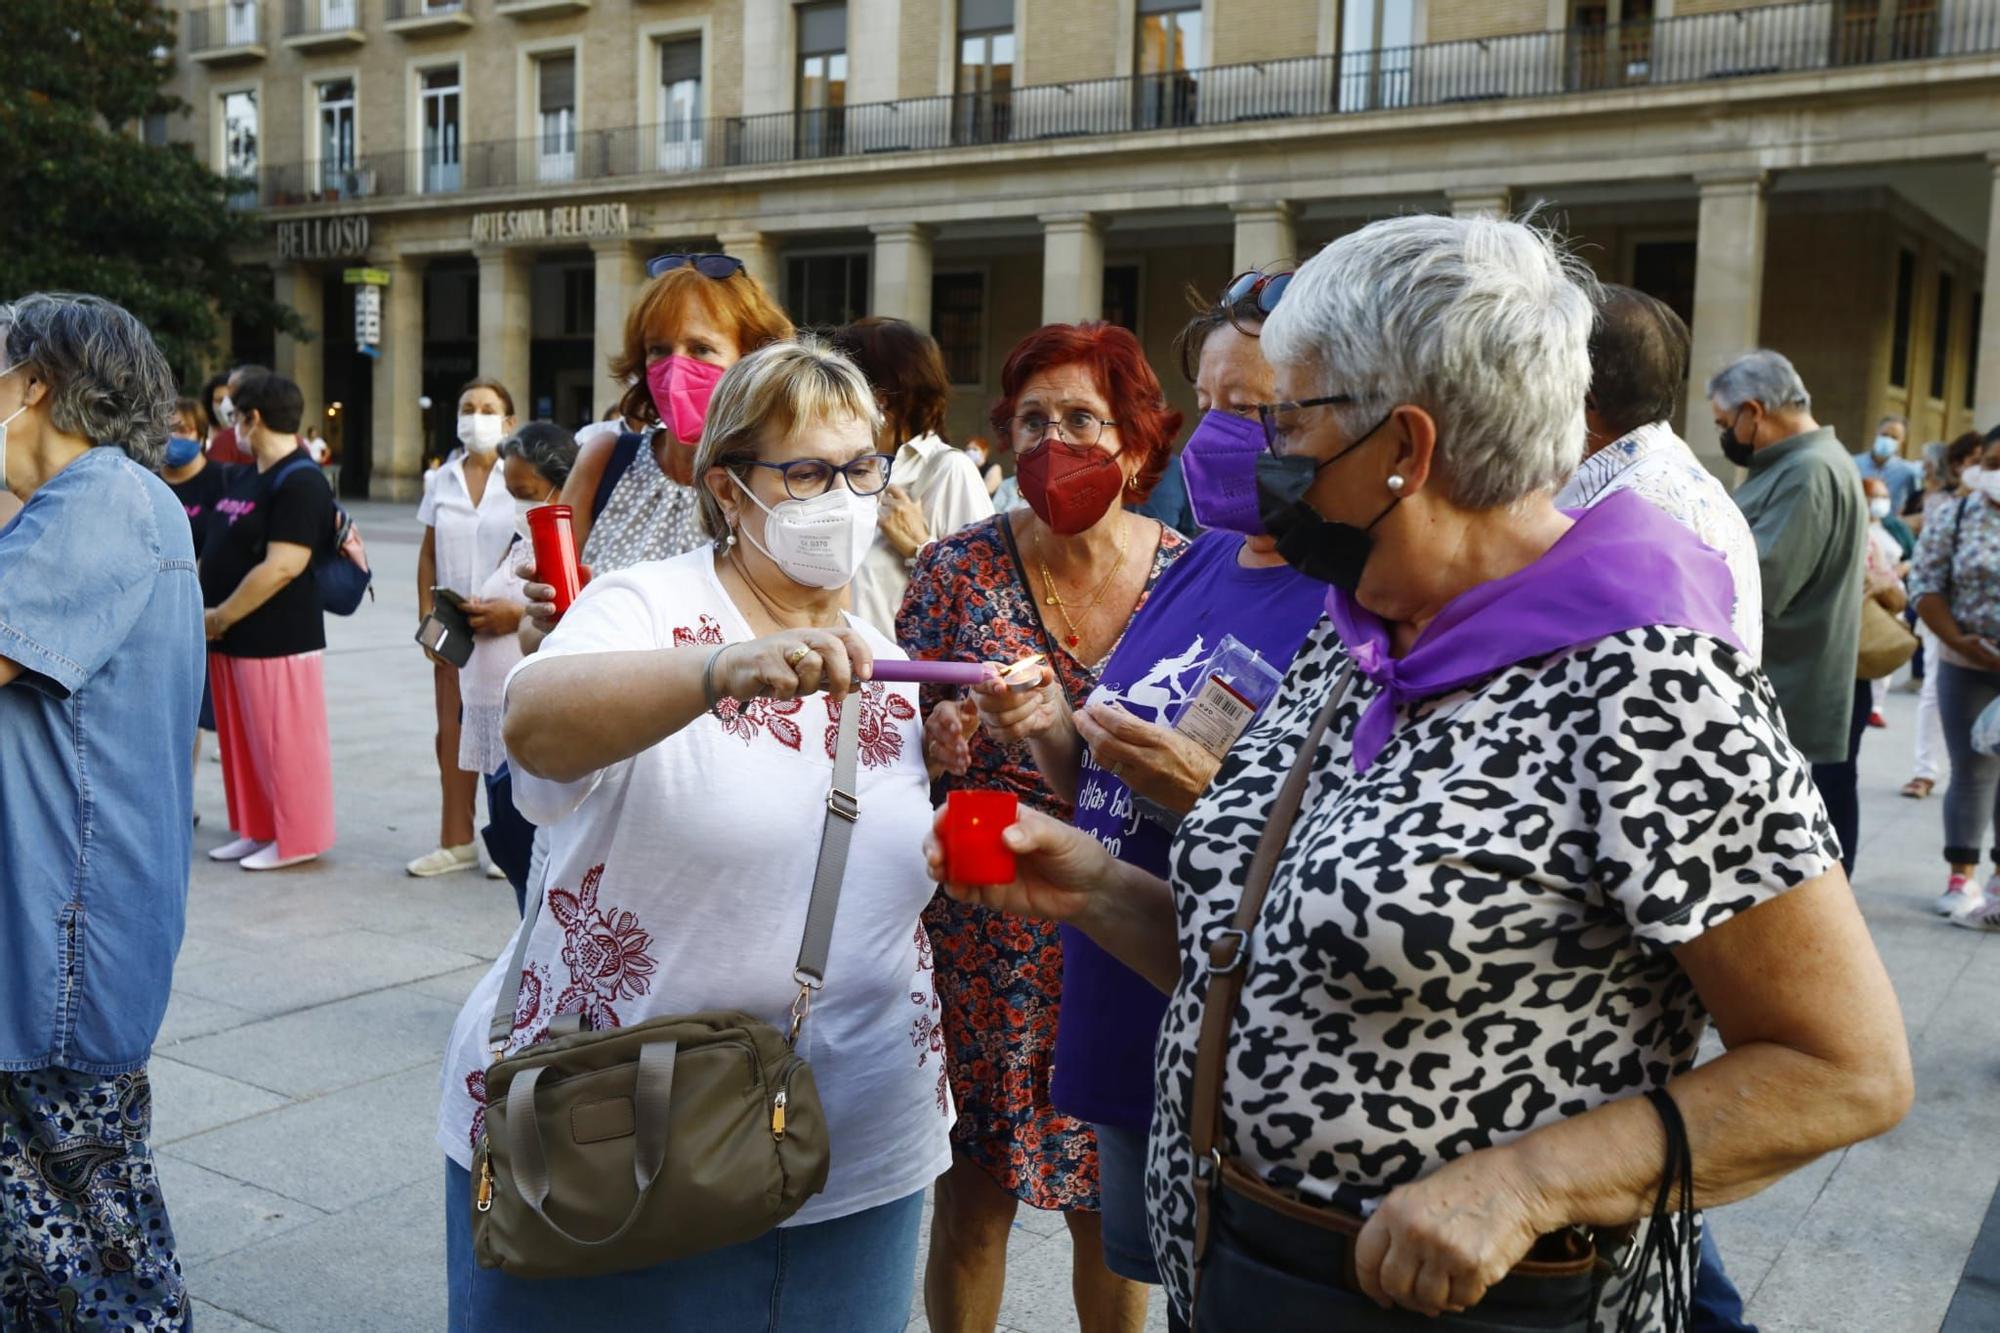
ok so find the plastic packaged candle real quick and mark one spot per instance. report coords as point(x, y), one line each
point(973, 850)
point(555, 552)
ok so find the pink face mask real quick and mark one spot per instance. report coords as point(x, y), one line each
point(681, 387)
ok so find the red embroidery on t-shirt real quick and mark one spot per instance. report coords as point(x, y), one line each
point(879, 739)
point(608, 954)
point(710, 633)
point(744, 720)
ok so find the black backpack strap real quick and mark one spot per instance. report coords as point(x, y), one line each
point(622, 455)
point(341, 522)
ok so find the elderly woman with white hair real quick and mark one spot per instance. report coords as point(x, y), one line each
point(677, 734)
point(101, 662)
point(1445, 932)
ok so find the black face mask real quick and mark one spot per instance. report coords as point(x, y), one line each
point(1317, 547)
point(1734, 449)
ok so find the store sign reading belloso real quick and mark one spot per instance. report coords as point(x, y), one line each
point(341, 237)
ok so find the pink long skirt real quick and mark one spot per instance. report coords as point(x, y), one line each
point(277, 763)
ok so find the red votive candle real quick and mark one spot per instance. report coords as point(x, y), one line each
point(973, 823)
point(555, 552)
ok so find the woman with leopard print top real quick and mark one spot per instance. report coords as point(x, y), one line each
point(1547, 822)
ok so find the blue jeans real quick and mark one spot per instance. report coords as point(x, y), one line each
point(855, 1274)
point(1717, 1306)
point(1121, 1191)
point(510, 838)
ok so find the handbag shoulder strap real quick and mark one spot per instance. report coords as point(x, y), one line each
point(622, 455)
point(1228, 964)
point(843, 808)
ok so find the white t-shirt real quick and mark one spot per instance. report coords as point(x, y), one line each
point(945, 482)
point(678, 881)
point(469, 538)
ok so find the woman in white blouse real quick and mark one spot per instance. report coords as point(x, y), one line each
point(1534, 819)
point(468, 519)
point(675, 734)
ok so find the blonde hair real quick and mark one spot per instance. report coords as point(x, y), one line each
point(766, 399)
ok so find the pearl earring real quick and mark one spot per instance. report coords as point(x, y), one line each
point(1396, 482)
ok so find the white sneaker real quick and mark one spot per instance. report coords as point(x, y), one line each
point(445, 861)
point(267, 858)
point(495, 872)
point(236, 851)
point(1980, 914)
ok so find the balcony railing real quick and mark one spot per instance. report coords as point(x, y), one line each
point(217, 29)
point(1696, 48)
point(308, 19)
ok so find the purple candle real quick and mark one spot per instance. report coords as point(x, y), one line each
point(935, 673)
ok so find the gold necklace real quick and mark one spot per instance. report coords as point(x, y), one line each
point(1061, 604)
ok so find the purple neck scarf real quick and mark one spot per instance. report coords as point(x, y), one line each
point(1623, 565)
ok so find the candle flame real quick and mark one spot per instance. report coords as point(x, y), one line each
point(1023, 670)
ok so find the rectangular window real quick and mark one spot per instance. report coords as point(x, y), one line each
point(239, 23)
point(958, 322)
point(153, 129)
point(336, 137)
point(1169, 63)
point(822, 81)
point(1899, 335)
point(579, 287)
point(1375, 41)
point(1121, 296)
point(337, 15)
point(1610, 42)
point(1941, 337)
point(555, 118)
point(441, 130)
point(826, 291)
point(985, 70)
point(239, 143)
point(680, 104)
point(1976, 313)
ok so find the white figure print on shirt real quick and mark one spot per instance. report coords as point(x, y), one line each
point(1154, 697)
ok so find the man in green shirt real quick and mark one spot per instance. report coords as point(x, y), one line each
point(1804, 504)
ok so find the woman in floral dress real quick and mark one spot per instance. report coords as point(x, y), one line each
point(1062, 579)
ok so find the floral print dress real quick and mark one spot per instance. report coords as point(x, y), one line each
point(1000, 975)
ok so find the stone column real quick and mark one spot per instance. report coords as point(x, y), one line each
point(902, 272)
point(1265, 234)
point(1728, 296)
point(506, 323)
point(758, 253)
point(300, 361)
point(1493, 201)
point(620, 274)
point(398, 429)
point(1986, 396)
point(1072, 267)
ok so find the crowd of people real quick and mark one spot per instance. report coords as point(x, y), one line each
point(1384, 849)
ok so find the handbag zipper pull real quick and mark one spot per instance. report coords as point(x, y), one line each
point(778, 1116)
point(484, 1198)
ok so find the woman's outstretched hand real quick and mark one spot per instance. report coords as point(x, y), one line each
point(1061, 873)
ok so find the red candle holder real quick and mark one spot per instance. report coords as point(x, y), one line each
point(973, 850)
point(555, 552)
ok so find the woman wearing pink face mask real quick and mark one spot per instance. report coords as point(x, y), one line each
point(631, 492)
point(1062, 578)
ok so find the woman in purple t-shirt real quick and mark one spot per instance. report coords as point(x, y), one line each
point(1132, 774)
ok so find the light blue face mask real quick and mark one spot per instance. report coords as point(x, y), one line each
point(1885, 447)
point(182, 450)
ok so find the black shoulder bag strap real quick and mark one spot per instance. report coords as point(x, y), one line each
point(843, 808)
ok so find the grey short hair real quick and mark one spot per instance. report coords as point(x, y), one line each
point(107, 380)
point(1764, 377)
point(544, 446)
point(767, 398)
point(1482, 322)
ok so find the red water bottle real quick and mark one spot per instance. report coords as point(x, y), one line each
point(555, 552)
point(974, 852)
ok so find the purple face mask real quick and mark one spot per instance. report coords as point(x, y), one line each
point(1220, 465)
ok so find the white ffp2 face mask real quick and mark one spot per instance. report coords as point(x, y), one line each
point(225, 412)
point(3, 429)
point(818, 542)
point(479, 433)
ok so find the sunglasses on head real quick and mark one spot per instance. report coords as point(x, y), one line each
point(1259, 291)
point(714, 266)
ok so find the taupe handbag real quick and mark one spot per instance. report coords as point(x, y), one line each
point(606, 1152)
point(1886, 642)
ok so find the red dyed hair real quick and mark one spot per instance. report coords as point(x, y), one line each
point(1117, 364)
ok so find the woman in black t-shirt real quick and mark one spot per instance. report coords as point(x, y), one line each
point(266, 629)
point(199, 485)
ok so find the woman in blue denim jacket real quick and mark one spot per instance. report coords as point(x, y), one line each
point(101, 659)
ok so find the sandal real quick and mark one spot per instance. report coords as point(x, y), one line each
point(1918, 788)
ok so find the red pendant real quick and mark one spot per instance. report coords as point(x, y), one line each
point(1073, 639)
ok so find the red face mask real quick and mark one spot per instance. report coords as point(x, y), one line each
point(1069, 490)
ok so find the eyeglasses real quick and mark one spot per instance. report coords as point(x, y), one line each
point(719, 267)
point(810, 478)
point(1276, 418)
point(1260, 291)
point(1075, 427)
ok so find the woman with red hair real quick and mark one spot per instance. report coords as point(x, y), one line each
point(1061, 579)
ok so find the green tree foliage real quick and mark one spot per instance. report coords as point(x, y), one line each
point(86, 206)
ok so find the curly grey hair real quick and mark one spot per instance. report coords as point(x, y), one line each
point(1482, 322)
point(107, 380)
point(1764, 377)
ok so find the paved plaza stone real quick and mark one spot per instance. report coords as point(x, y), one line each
point(296, 1078)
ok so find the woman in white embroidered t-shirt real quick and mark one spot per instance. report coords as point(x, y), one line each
point(676, 732)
